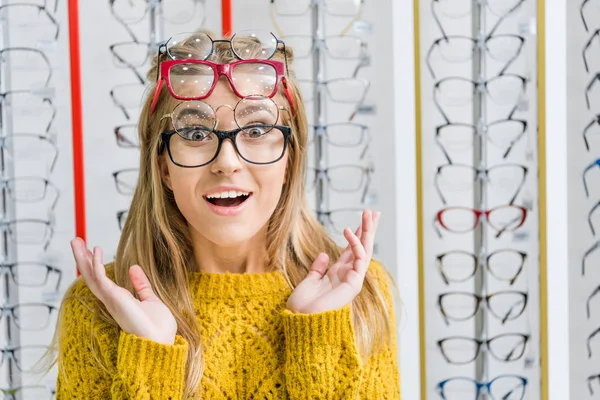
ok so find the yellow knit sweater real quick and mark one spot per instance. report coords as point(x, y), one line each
point(253, 349)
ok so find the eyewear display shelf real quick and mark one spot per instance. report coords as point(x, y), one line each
point(582, 138)
point(479, 170)
point(28, 155)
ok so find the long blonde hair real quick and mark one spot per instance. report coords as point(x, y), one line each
point(155, 235)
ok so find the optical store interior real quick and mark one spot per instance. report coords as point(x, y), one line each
point(472, 126)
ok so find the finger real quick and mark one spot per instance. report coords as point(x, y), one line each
point(368, 236)
point(346, 255)
point(84, 263)
point(319, 267)
point(105, 285)
point(141, 283)
point(361, 261)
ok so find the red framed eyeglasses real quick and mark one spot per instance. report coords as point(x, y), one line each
point(505, 218)
point(193, 79)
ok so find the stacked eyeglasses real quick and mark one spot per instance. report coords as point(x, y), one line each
point(29, 153)
point(590, 331)
point(339, 167)
point(482, 337)
point(146, 24)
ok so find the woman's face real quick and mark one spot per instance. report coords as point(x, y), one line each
point(229, 200)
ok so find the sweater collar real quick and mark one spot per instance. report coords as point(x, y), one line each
point(236, 285)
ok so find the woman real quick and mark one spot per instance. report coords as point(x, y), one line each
point(224, 285)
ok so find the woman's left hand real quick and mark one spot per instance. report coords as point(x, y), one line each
point(326, 289)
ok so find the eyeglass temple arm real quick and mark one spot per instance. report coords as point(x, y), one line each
point(596, 120)
point(586, 47)
point(273, 18)
point(589, 382)
point(587, 253)
point(581, 13)
point(525, 172)
point(585, 171)
point(437, 184)
point(437, 19)
point(590, 217)
point(589, 340)
point(428, 57)
point(588, 88)
point(589, 300)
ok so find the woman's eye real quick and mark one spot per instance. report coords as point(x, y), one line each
point(254, 132)
point(195, 134)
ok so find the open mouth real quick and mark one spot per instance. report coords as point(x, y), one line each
point(228, 199)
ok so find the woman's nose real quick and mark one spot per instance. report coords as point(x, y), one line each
point(228, 160)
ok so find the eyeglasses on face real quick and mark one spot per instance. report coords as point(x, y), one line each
point(463, 219)
point(506, 305)
point(454, 177)
point(502, 387)
point(459, 266)
point(195, 141)
point(460, 350)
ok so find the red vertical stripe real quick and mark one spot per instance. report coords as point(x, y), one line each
point(226, 17)
point(78, 164)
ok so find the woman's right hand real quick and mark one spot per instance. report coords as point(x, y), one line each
point(147, 317)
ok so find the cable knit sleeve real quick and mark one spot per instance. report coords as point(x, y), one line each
point(97, 361)
point(322, 359)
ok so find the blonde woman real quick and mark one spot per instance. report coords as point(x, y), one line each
point(224, 284)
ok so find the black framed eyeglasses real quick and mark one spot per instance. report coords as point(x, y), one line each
point(594, 121)
point(121, 218)
point(583, 3)
point(127, 136)
point(503, 133)
point(589, 217)
point(126, 180)
point(31, 273)
point(589, 341)
point(457, 49)
point(195, 140)
point(506, 305)
point(589, 87)
point(459, 266)
point(460, 177)
point(589, 251)
point(590, 379)
point(461, 350)
point(29, 316)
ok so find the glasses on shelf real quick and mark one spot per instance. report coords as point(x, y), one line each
point(589, 217)
point(339, 90)
point(29, 316)
point(505, 89)
point(589, 341)
point(24, 63)
point(590, 379)
point(132, 55)
point(35, 18)
point(27, 108)
point(39, 392)
point(29, 231)
point(587, 46)
point(340, 219)
point(589, 301)
point(24, 357)
point(459, 266)
point(589, 87)
point(30, 189)
point(121, 218)
point(581, 13)
point(128, 97)
point(502, 219)
point(127, 136)
point(126, 180)
point(459, 49)
point(503, 134)
point(595, 164)
point(343, 47)
point(340, 8)
point(340, 178)
point(341, 134)
point(460, 350)
point(31, 148)
point(588, 252)
point(31, 274)
point(502, 387)
point(594, 121)
point(459, 178)
point(505, 305)
point(452, 9)
point(195, 141)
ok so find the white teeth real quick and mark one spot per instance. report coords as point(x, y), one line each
point(227, 194)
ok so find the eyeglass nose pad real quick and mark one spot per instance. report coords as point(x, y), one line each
point(217, 110)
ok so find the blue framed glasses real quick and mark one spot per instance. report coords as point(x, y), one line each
point(503, 387)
